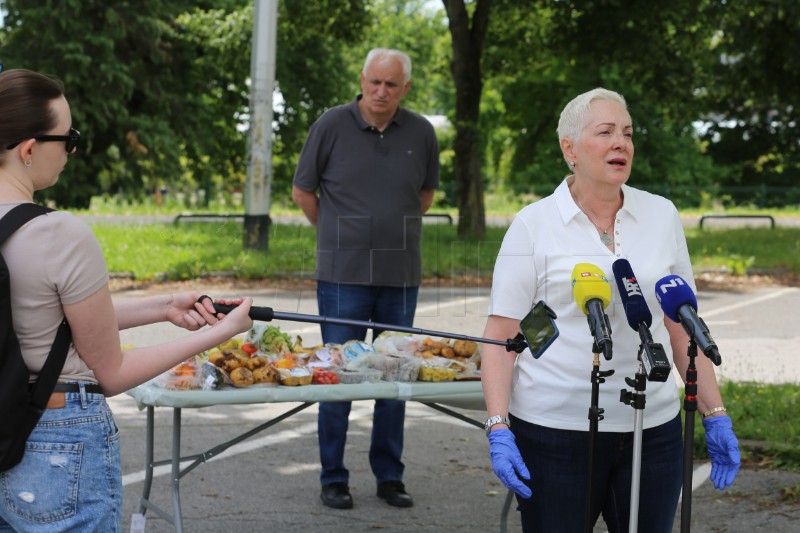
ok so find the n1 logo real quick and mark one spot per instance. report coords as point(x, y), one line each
point(674, 282)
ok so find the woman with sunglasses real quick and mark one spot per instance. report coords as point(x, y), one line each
point(69, 478)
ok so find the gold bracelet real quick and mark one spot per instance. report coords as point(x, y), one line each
point(714, 410)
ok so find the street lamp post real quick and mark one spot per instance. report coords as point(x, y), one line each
point(259, 169)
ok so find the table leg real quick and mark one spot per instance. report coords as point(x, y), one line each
point(506, 508)
point(176, 469)
point(148, 460)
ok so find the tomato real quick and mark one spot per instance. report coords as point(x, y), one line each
point(249, 348)
point(325, 377)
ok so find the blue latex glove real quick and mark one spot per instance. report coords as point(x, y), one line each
point(506, 461)
point(723, 448)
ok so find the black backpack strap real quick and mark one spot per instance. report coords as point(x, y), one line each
point(18, 217)
point(48, 377)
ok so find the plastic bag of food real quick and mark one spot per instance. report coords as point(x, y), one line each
point(329, 355)
point(183, 376)
point(394, 343)
point(354, 349)
point(214, 377)
point(360, 362)
point(269, 339)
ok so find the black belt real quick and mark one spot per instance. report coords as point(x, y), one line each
point(91, 388)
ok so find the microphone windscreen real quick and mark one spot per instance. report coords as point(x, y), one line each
point(589, 283)
point(636, 310)
point(673, 293)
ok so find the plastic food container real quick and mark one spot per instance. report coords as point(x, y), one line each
point(433, 373)
point(402, 369)
point(294, 377)
point(360, 376)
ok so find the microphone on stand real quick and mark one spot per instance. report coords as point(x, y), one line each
point(592, 293)
point(654, 358)
point(680, 305)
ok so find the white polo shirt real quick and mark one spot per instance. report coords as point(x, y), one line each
point(542, 246)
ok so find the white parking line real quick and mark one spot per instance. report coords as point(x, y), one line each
point(744, 303)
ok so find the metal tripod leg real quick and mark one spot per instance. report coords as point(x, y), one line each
point(636, 400)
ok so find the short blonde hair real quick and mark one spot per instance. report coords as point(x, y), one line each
point(576, 113)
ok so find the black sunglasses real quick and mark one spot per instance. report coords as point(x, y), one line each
point(71, 140)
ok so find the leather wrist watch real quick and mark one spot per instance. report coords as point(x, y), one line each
point(496, 419)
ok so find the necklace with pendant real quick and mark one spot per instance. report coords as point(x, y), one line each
point(605, 238)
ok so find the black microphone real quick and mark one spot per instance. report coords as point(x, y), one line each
point(680, 305)
point(654, 358)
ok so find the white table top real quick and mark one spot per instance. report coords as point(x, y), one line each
point(462, 394)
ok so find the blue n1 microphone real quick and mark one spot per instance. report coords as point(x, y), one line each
point(654, 358)
point(680, 304)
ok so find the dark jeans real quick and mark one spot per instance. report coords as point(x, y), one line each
point(558, 462)
point(387, 305)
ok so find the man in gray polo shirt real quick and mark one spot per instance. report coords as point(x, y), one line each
point(365, 177)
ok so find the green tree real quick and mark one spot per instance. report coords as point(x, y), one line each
point(159, 89)
point(748, 92)
point(541, 54)
point(468, 33)
point(116, 63)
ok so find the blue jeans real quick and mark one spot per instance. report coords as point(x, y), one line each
point(70, 477)
point(558, 462)
point(387, 305)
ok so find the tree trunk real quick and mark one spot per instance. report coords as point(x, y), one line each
point(467, 38)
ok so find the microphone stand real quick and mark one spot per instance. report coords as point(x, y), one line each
point(689, 408)
point(595, 415)
point(637, 401)
point(267, 314)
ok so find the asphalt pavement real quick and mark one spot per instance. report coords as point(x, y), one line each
point(270, 481)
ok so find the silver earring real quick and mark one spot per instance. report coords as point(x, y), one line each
point(571, 165)
point(28, 163)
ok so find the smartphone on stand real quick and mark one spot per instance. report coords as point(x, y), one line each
point(539, 328)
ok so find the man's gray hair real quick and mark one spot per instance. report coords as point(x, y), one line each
point(383, 54)
point(576, 113)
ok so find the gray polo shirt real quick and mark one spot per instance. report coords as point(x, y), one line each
point(369, 226)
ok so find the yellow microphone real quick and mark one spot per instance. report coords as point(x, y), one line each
point(589, 282)
point(592, 293)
